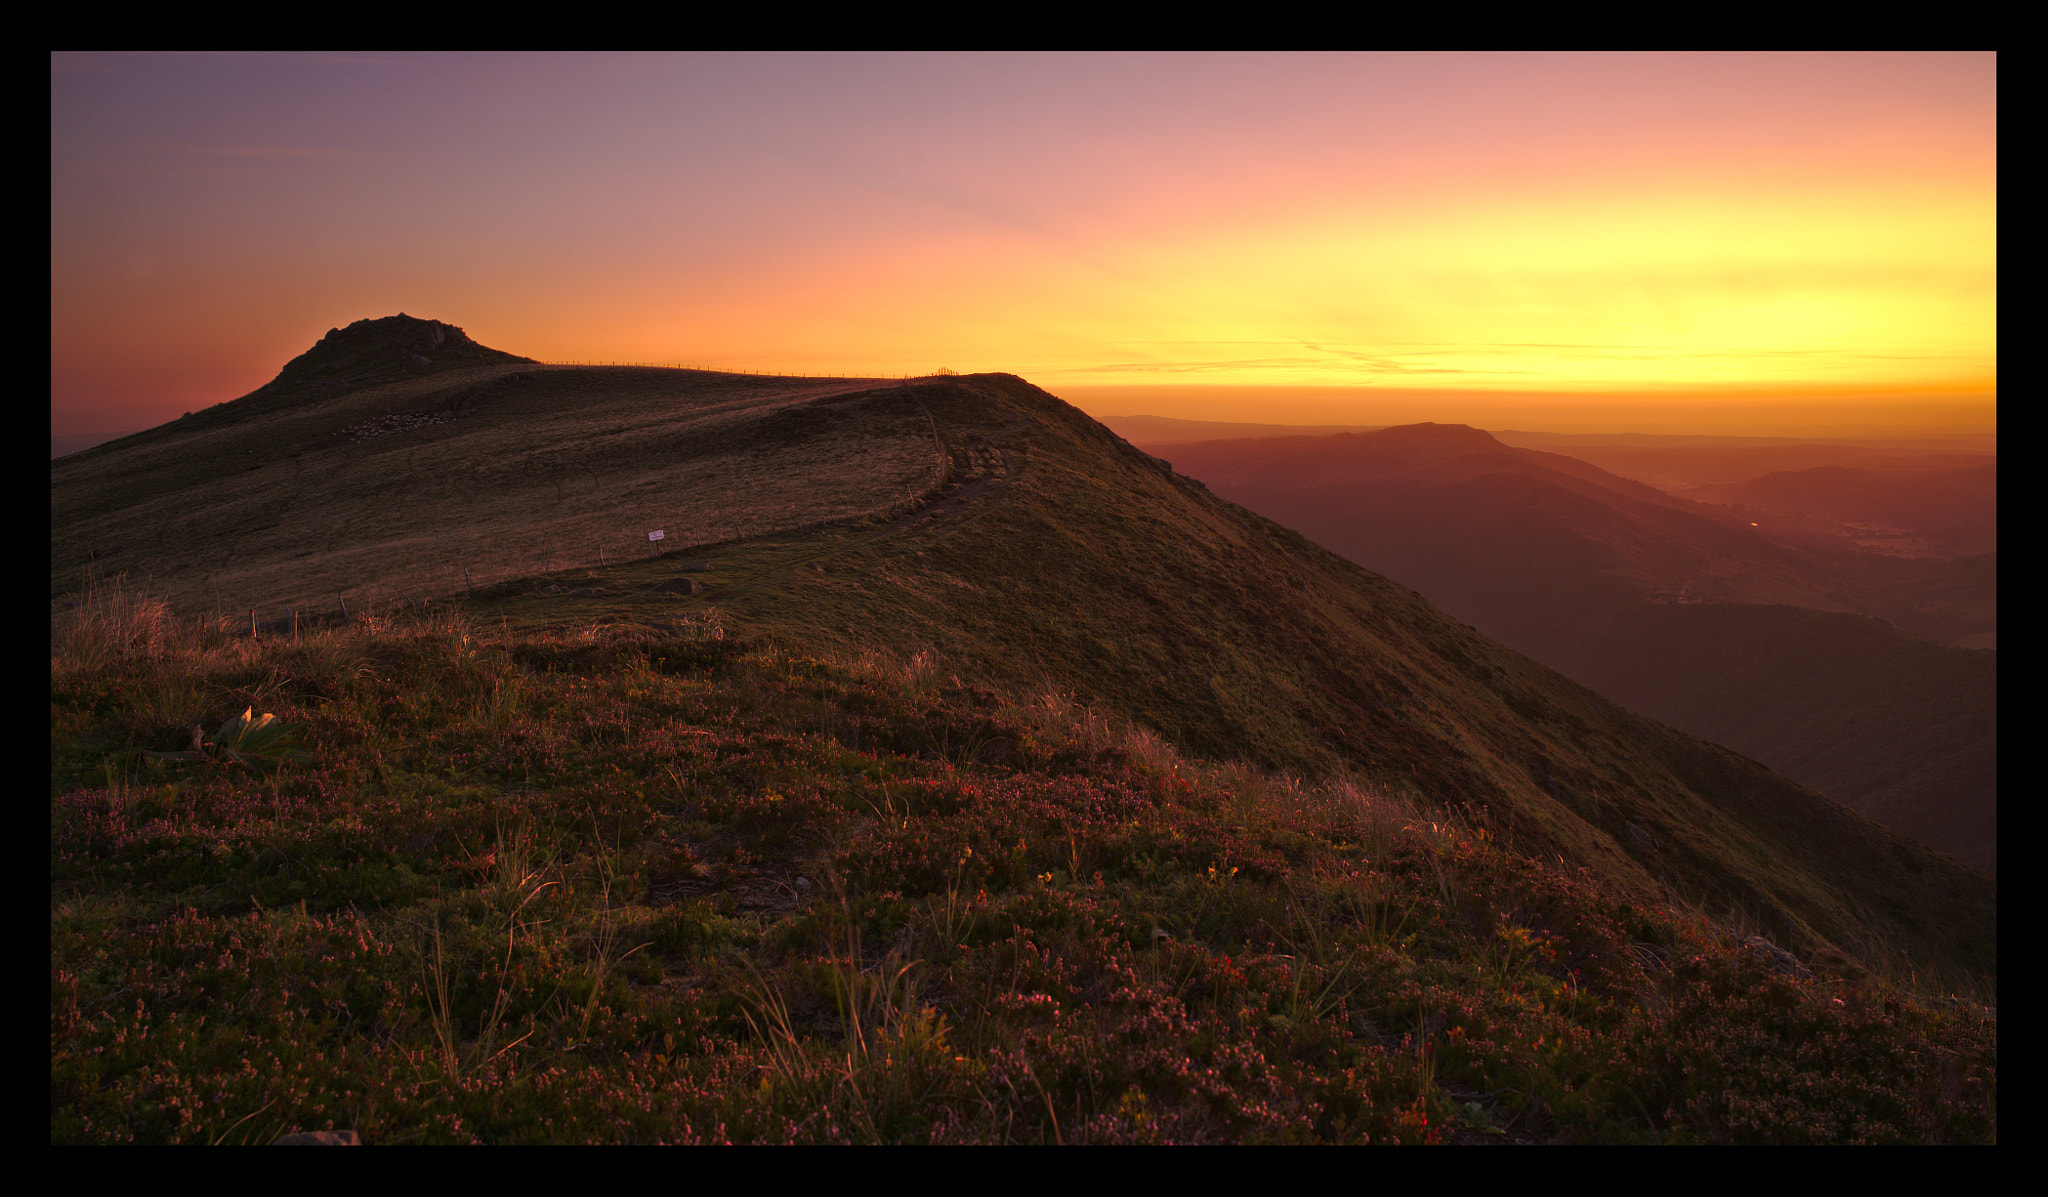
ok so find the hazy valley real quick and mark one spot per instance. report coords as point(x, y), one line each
point(1770, 629)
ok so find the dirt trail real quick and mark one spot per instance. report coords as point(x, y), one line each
point(977, 469)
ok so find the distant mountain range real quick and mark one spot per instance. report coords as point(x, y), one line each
point(1769, 621)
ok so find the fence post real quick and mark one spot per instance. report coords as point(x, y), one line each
point(252, 623)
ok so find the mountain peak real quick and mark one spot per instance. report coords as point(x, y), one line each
point(369, 352)
point(368, 349)
point(1462, 436)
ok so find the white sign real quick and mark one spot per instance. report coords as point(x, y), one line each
point(655, 535)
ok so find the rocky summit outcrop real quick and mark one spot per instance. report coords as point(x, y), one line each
point(366, 353)
point(387, 349)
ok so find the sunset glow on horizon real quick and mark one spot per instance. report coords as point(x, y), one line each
point(1667, 243)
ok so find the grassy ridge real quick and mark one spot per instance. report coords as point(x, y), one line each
point(1095, 569)
point(530, 467)
point(631, 883)
point(1055, 801)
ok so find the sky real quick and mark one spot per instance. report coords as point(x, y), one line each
point(1572, 242)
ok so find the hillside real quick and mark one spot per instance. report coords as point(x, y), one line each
point(627, 883)
point(1067, 558)
point(986, 533)
point(370, 471)
point(1683, 612)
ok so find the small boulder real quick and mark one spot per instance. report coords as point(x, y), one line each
point(679, 586)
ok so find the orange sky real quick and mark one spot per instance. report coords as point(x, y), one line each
point(1628, 242)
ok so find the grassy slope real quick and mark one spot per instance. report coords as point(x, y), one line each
point(1094, 569)
point(1066, 560)
point(282, 510)
point(621, 884)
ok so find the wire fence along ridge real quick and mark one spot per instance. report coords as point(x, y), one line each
point(941, 372)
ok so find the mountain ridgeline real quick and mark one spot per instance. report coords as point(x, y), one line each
point(979, 519)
